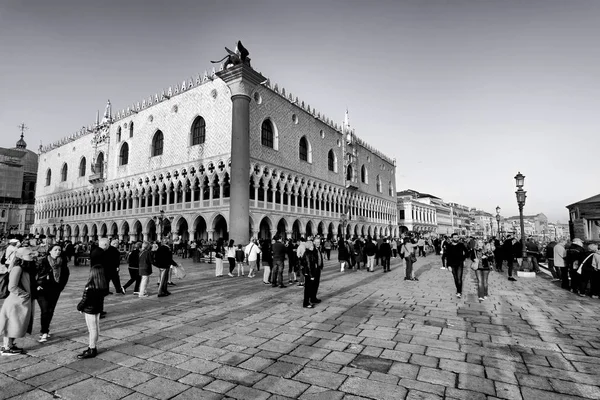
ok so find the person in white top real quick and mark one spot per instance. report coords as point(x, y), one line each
point(252, 251)
point(559, 263)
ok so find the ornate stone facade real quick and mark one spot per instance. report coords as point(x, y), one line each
point(136, 175)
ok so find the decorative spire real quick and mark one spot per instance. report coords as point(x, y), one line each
point(97, 117)
point(346, 121)
point(21, 143)
point(107, 113)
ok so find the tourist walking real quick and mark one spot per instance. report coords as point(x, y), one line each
point(575, 257)
point(112, 259)
point(589, 272)
point(16, 315)
point(240, 258)
point(52, 277)
point(267, 261)
point(370, 250)
point(307, 261)
point(407, 251)
point(456, 252)
point(319, 264)
point(230, 254)
point(279, 251)
point(343, 254)
point(164, 261)
point(133, 266)
point(386, 254)
point(291, 247)
point(92, 305)
point(560, 253)
point(252, 251)
point(327, 246)
point(481, 256)
point(219, 254)
point(145, 267)
point(421, 246)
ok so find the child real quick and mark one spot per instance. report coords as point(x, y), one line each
point(92, 304)
point(240, 256)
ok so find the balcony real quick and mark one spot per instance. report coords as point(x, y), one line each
point(351, 185)
point(96, 178)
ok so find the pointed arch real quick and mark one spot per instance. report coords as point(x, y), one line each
point(198, 132)
point(157, 143)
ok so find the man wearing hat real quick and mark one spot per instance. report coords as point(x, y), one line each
point(575, 256)
point(13, 245)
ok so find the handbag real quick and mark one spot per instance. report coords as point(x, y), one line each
point(475, 264)
point(581, 266)
point(179, 271)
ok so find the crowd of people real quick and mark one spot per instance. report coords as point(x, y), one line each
point(31, 270)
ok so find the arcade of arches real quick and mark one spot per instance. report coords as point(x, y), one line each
point(196, 206)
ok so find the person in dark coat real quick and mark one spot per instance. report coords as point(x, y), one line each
point(92, 305)
point(319, 261)
point(508, 254)
point(456, 252)
point(307, 260)
point(575, 256)
point(343, 254)
point(97, 253)
point(112, 259)
point(385, 251)
point(164, 261)
point(52, 277)
point(133, 261)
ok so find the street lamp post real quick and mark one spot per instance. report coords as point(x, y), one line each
point(62, 224)
point(498, 221)
point(521, 197)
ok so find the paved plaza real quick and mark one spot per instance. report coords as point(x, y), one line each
point(374, 336)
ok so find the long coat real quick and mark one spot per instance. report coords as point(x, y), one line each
point(16, 315)
point(145, 263)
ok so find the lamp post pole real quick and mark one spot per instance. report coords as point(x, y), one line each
point(521, 197)
point(498, 221)
point(62, 224)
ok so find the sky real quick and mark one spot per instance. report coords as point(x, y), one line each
point(463, 94)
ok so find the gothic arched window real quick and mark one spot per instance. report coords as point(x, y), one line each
point(157, 144)
point(198, 131)
point(124, 154)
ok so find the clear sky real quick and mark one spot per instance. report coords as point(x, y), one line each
point(464, 94)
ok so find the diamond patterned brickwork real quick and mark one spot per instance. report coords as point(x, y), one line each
point(176, 127)
point(280, 111)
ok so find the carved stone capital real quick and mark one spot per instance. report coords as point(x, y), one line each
point(241, 79)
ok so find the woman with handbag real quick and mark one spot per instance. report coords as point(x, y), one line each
point(481, 260)
point(91, 305)
point(407, 251)
point(52, 278)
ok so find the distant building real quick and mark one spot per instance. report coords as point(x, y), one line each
point(584, 219)
point(18, 175)
point(415, 212)
point(483, 223)
point(535, 225)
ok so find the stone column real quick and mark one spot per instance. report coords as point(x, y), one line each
point(241, 80)
point(132, 238)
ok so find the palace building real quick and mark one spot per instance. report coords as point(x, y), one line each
point(225, 154)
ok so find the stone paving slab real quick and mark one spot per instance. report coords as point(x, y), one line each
point(374, 336)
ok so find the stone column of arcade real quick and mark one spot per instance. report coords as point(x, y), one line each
point(241, 80)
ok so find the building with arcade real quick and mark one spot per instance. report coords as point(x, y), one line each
point(225, 154)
